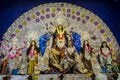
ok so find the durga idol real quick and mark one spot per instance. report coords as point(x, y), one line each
point(60, 35)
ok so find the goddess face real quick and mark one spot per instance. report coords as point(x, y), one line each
point(17, 55)
point(32, 43)
point(93, 50)
point(104, 44)
point(35, 51)
point(60, 27)
point(86, 42)
point(70, 43)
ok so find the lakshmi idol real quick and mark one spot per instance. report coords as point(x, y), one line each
point(31, 52)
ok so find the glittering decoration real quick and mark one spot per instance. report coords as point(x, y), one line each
point(105, 35)
point(20, 26)
point(47, 9)
point(63, 9)
point(108, 39)
point(96, 23)
point(68, 10)
point(53, 14)
point(33, 16)
point(37, 20)
point(83, 21)
point(87, 17)
point(53, 9)
point(24, 23)
point(42, 17)
point(17, 30)
point(47, 16)
point(37, 13)
point(99, 27)
point(13, 35)
point(73, 11)
point(58, 9)
point(73, 17)
point(28, 19)
point(110, 45)
point(102, 31)
point(78, 19)
point(83, 15)
point(91, 20)
point(68, 15)
point(77, 13)
point(42, 11)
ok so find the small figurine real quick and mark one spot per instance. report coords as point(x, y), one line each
point(115, 67)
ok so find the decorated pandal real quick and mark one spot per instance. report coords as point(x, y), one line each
point(59, 41)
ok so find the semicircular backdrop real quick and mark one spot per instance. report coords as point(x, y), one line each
point(32, 24)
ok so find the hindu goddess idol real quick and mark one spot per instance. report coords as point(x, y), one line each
point(60, 31)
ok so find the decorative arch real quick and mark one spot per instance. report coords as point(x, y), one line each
point(32, 24)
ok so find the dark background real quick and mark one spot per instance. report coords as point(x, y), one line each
point(107, 10)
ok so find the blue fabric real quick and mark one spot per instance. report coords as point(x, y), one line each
point(15, 71)
point(104, 68)
point(42, 42)
point(76, 41)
